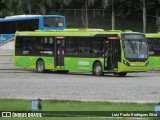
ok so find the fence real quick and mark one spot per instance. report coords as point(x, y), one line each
point(101, 18)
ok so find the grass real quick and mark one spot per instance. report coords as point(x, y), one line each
point(53, 105)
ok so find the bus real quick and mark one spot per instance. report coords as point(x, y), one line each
point(154, 50)
point(85, 50)
point(9, 25)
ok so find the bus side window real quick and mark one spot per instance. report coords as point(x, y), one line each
point(45, 43)
point(84, 46)
point(38, 43)
point(29, 47)
point(71, 46)
point(19, 43)
point(51, 43)
point(97, 46)
point(48, 43)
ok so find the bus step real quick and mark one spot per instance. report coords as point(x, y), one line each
point(59, 68)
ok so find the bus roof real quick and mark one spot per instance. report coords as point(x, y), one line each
point(24, 17)
point(87, 30)
point(21, 16)
point(153, 35)
point(70, 32)
point(91, 30)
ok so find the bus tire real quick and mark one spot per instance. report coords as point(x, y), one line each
point(97, 69)
point(122, 74)
point(40, 66)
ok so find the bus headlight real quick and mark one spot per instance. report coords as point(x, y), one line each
point(126, 63)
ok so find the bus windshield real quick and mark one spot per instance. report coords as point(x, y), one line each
point(52, 22)
point(135, 47)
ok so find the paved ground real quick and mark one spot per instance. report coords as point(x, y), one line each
point(135, 87)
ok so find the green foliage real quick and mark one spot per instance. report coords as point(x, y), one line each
point(55, 105)
point(11, 7)
point(122, 7)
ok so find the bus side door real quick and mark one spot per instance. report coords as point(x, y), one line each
point(112, 53)
point(59, 52)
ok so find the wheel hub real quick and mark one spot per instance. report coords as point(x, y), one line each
point(98, 69)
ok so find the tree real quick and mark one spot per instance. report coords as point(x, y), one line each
point(144, 16)
point(106, 3)
point(29, 6)
point(113, 16)
point(84, 7)
point(121, 8)
point(33, 6)
point(158, 14)
point(5, 8)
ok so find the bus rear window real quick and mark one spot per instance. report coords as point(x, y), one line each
point(52, 22)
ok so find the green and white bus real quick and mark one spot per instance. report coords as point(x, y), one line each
point(154, 50)
point(90, 50)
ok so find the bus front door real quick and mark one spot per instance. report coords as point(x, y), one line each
point(59, 52)
point(112, 54)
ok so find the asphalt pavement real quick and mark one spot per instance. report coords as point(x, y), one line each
point(27, 84)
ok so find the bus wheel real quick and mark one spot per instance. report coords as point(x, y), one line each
point(122, 74)
point(97, 69)
point(40, 66)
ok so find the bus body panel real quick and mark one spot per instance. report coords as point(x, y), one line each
point(41, 26)
point(72, 64)
point(81, 64)
point(30, 62)
point(75, 64)
point(154, 62)
point(84, 63)
point(136, 67)
point(7, 41)
point(6, 51)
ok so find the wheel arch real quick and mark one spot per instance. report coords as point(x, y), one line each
point(38, 60)
point(94, 66)
point(95, 63)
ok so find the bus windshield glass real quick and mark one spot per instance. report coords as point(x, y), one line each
point(135, 47)
point(52, 22)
